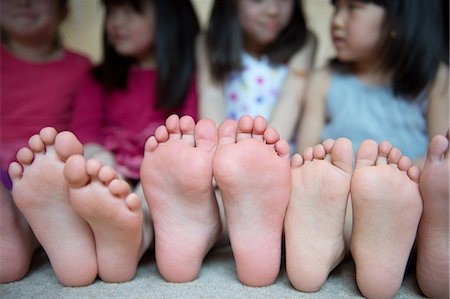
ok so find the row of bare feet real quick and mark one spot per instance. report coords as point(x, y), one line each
point(90, 224)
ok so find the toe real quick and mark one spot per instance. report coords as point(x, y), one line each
point(394, 156)
point(133, 203)
point(93, 167)
point(414, 173)
point(228, 132)
point(437, 148)
point(319, 152)
point(67, 144)
point(384, 148)
point(259, 127)
point(173, 127)
point(25, 156)
point(15, 171)
point(308, 154)
point(271, 136)
point(75, 171)
point(36, 144)
point(404, 163)
point(206, 135)
point(342, 154)
point(119, 188)
point(367, 154)
point(107, 174)
point(187, 126)
point(48, 135)
point(161, 134)
point(245, 127)
point(296, 161)
point(151, 144)
point(282, 148)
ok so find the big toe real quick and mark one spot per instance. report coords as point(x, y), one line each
point(206, 135)
point(439, 145)
point(67, 144)
point(227, 132)
point(367, 154)
point(75, 171)
point(342, 154)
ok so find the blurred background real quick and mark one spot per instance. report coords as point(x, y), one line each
point(81, 31)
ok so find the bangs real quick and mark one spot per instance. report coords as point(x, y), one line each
point(136, 4)
point(376, 2)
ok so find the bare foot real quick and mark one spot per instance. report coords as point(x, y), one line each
point(386, 211)
point(176, 176)
point(432, 267)
point(251, 167)
point(17, 241)
point(314, 223)
point(114, 215)
point(41, 193)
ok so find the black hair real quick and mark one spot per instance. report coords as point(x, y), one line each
point(445, 31)
point(175, 31)
point(225, 43)
point(411, 43)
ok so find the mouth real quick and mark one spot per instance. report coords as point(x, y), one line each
point(271, 26)
point(338, 41)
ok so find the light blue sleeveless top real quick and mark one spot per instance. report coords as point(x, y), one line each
point(359, 111)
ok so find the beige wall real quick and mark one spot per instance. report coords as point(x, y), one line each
point(82, 29)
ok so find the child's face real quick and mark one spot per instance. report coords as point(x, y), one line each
point(356, 30)
point(263, 20)
point(31, 19)
point(130, 32)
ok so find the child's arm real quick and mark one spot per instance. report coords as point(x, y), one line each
point(437, 116)
point(211, 98)
point(313, 116)
point(287, 111)
point(438, 107)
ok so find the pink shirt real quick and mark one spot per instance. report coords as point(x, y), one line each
point(123, 120)
point(35, 95)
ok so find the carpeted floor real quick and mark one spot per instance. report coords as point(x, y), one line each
point(217, 279)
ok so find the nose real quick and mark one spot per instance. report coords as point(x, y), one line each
point(272, 7)
point(339, 17)
point(116, 18)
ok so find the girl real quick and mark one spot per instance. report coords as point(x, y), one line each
point(387, 83)
point(253, 61)
point(147, 74)
point(39, 79)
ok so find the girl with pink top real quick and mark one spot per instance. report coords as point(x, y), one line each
point(146, 75)
point(79, 207)
point(39, 79)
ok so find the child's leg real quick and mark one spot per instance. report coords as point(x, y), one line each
point(41, 194)
point(386, 212)
point(176, 176)
point(314, 223)
point(114, 215)
point(251, 167)
point(17, 241)
point(432, 267)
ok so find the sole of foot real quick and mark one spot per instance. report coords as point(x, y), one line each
point(314, 223)
point(176, 176)
point(251, 168)
point(432, 268)
point(387, 207)
point(41, 193)
point(113, 213)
